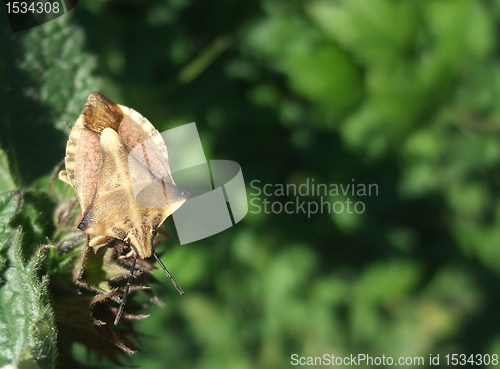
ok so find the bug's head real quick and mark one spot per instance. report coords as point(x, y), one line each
point(141, 240)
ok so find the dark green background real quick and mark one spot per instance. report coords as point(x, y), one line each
point(401, 94)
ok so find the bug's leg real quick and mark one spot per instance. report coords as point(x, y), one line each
point(177, 287)
point(129, 254)
point(61, 176)
point(125, 293)
point(67, 213)
point(167, 235)
point(163, 235)
point(82, 267)
point(98, 241)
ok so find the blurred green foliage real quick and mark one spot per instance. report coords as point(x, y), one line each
point(401, 94)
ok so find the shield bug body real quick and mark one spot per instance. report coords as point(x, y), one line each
point(98, 167)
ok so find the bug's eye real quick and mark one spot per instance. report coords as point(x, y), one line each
point(126, 241)
point(154, 233)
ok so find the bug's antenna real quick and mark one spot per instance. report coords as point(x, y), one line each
point(177, 287)
point(125, 293)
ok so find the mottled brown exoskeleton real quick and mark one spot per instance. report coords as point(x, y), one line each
point(98, 167)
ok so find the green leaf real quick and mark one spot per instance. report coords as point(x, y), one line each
point(6, 181)
point(375, 31)
point(384, 282)
point(27, 324)
point(48, 78)
point(9, 202)
point(325, 75)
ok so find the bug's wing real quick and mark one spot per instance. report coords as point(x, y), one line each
point(110, 212)
point(100, 112)
point(148, 150)
point(83, 162)
point(83, 151)
point(114, 209)
point(152, 192)
point(145, 144)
